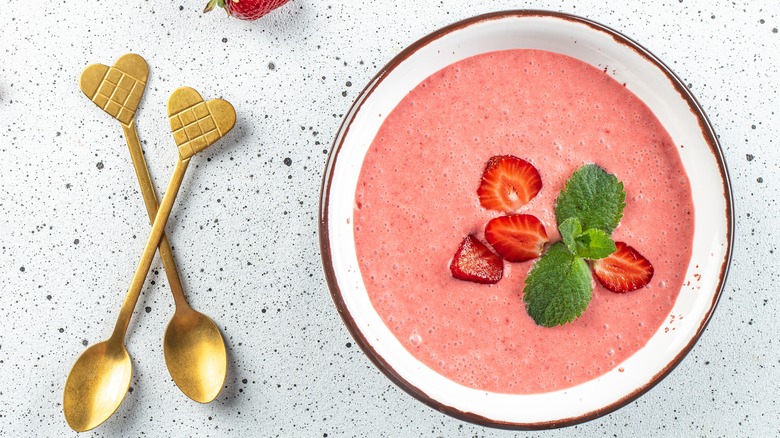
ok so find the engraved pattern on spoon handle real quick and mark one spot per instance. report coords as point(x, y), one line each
point(150, 200)
point(156, 234)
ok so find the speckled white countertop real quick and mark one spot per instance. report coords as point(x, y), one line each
point(244, 229)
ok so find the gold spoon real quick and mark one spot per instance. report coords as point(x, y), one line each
point(193, 345)
point(100, 378)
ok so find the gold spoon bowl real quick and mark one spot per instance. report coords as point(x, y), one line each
point(195, 354)
point(97, 384)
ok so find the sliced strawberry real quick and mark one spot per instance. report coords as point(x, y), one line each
point(474, 261)
point(517, 237)
point(623, 271)
point(508, 183)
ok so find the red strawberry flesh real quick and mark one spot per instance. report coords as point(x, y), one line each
point(516, 237)
point(474, 261)
point(508, 183)
point(624, 271)
point(246, 9)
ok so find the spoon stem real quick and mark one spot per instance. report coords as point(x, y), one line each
point(150, 200)
point(158, 230)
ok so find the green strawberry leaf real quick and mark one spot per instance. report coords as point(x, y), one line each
point(594, 244)
point(570, 229)
point(593, 196)
point(558, 287)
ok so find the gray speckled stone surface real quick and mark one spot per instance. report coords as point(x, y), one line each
point(244, 229)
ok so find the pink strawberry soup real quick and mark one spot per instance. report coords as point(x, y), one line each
point(416, 200)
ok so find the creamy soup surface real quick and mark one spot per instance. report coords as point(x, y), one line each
point(417, 199)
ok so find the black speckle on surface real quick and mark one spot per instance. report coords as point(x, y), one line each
point(288, 161)
point(100, 165)
point(76, 241)
point(349, 344)
point(48, 297)
point(244, 381)
point(148, 309)
point(271, 66)
point(21, 269)
point(759, 179)
point(84, 342)
point(349, 83)
point(774, 30)
point(61, 330)
point(181, 8)
point(224, 40)
point(749, 157)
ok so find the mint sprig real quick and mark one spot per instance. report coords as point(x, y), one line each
point(559, 287)
point(570, 230)
point(593, 196)
point(591, 244)
point(595, 244)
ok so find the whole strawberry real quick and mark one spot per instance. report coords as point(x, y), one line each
point(246, 9)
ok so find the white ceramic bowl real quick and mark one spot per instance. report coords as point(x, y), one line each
point(646, 77)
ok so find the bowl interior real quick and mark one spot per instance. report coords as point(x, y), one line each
point(644, 76)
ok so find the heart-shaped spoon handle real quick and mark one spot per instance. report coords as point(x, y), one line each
point(197, 124)
point(117, 89)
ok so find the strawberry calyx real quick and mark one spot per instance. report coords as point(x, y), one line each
point(216, 3)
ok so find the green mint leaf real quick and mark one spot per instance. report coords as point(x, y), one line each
point(594, 244)
point(570, 229)
point(558, 287)
point(593, 196)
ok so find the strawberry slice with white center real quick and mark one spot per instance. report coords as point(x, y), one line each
point(474, 261)
point(516, 237)
point(508, 183)
point(623, 271)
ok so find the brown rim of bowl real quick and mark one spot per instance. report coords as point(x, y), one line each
point(379, 361)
